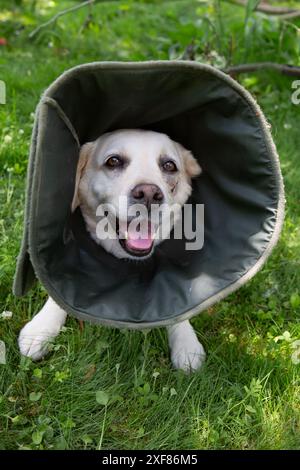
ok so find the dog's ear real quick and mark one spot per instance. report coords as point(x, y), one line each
point(191, 165)
point(84, 155)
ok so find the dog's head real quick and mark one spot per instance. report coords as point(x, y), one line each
point(129, 170)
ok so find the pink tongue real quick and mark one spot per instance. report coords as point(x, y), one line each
point(142, 241)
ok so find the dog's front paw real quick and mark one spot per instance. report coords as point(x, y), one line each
point(34, 341)
point(186, 351)
point(36, 335)
point(188, 357)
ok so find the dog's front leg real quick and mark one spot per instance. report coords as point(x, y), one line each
point(35, 336)
point(186, 351)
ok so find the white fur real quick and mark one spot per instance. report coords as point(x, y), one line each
point(186, 351)
point(35, 336)
point(94, 185)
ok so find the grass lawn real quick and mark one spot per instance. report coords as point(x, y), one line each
point(108, 389)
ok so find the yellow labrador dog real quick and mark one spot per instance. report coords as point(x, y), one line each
point(122, 169)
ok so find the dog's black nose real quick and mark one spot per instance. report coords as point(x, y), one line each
point(147, 194)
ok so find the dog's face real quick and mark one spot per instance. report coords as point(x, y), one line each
point(126, 169)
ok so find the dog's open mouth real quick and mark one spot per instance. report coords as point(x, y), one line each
point(136, 239)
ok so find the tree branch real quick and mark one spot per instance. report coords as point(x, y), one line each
point(58, 15)
point(285, 69)
point(283, 13)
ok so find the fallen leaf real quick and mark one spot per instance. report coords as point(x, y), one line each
point(90, 372)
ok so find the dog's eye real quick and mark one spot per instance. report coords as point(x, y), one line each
point(169, 166)
point(115, 161)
